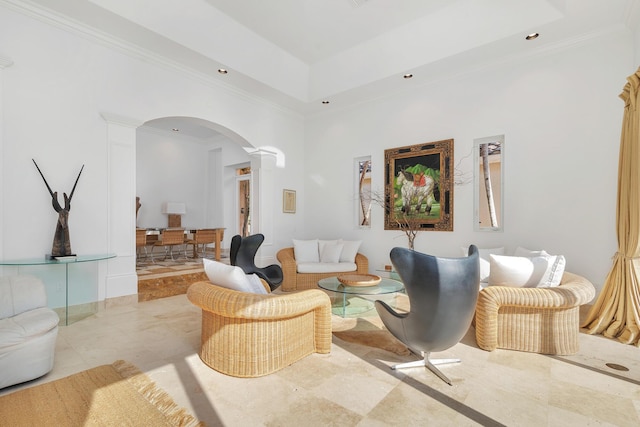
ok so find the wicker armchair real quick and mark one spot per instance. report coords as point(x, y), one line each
point(538, 320)
point(251, 335)
point(293, 280)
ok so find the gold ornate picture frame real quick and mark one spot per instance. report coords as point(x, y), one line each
point(289, 201)
point(419, 187)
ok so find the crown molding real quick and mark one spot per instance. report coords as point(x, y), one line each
point(121, 120)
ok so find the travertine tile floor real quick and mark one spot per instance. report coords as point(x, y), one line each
point(353, 386)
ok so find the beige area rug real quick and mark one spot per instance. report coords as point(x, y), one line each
point(370, 331)
point(108, 395)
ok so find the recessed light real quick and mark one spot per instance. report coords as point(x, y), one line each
point(325, 102)
point(222, 71)
point(175, 129)
point(407, 76)
point(532, 36)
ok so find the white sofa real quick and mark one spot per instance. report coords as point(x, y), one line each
point(311, 260)
point(28, 330)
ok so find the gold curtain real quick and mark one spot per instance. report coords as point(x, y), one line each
point(616, 313)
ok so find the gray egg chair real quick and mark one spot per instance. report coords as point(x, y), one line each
point(442, 294)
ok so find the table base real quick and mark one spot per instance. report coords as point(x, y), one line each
point(348, 305)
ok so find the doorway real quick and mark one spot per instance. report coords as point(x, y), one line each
point(244, 200)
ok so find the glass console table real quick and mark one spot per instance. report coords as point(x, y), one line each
point(84, 298)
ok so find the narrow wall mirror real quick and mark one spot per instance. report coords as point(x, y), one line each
point(362, 174)
point(488, 183)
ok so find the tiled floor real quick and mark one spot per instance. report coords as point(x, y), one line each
point(353, 386)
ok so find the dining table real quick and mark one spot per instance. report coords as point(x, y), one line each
point(155, 233)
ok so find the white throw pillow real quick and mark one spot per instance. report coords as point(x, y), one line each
point(306, 251)
point(323, 243)
point(231, 277)
point(256, 283)
point(520, 251)
point(349, 250)
point(526, 272)
point(485, 266)
point(331, 252)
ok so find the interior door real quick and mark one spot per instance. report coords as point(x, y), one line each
point(244, 202)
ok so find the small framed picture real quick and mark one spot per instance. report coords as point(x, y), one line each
point(289, 201)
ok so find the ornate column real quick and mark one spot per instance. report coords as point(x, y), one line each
point(263, 200)
point(121, 279)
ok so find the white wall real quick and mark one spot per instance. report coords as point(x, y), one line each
point(52, 98)
point(170, 170)
point(637, 45)
point(561, 118)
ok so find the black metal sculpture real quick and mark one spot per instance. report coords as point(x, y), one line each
point(61, 243)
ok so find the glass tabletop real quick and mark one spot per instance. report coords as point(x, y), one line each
point(386, 286)
point(45, 260)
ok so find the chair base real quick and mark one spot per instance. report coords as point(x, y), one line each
point(430, 364)
point(168, 251)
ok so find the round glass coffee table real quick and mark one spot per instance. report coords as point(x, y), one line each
point(350, 301)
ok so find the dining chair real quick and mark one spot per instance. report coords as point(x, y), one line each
point(201, 238)
point(169, 238)
point(141, 243)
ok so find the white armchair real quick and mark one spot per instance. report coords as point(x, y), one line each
point(28, 330)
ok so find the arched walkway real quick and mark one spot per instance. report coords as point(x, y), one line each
point(121, 151)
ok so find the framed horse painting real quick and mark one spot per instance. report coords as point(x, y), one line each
point(419, 187)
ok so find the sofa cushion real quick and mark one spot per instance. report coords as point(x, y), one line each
point(24, 326)
point(231, 277)
point(526, 272)
point(326, 267)
point(349, 250)
point(331, 252)
point(323, 243)
point(485, 266)
point(306, 250)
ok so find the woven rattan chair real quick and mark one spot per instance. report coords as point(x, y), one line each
point(293, 281)
point(538, 320)
point(251, 335)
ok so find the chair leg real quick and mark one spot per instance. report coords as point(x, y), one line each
point(430, 364)
point(139, 256)
point(203, 252)
point(153, 259)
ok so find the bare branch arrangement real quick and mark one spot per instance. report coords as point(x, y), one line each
point(409, 226)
